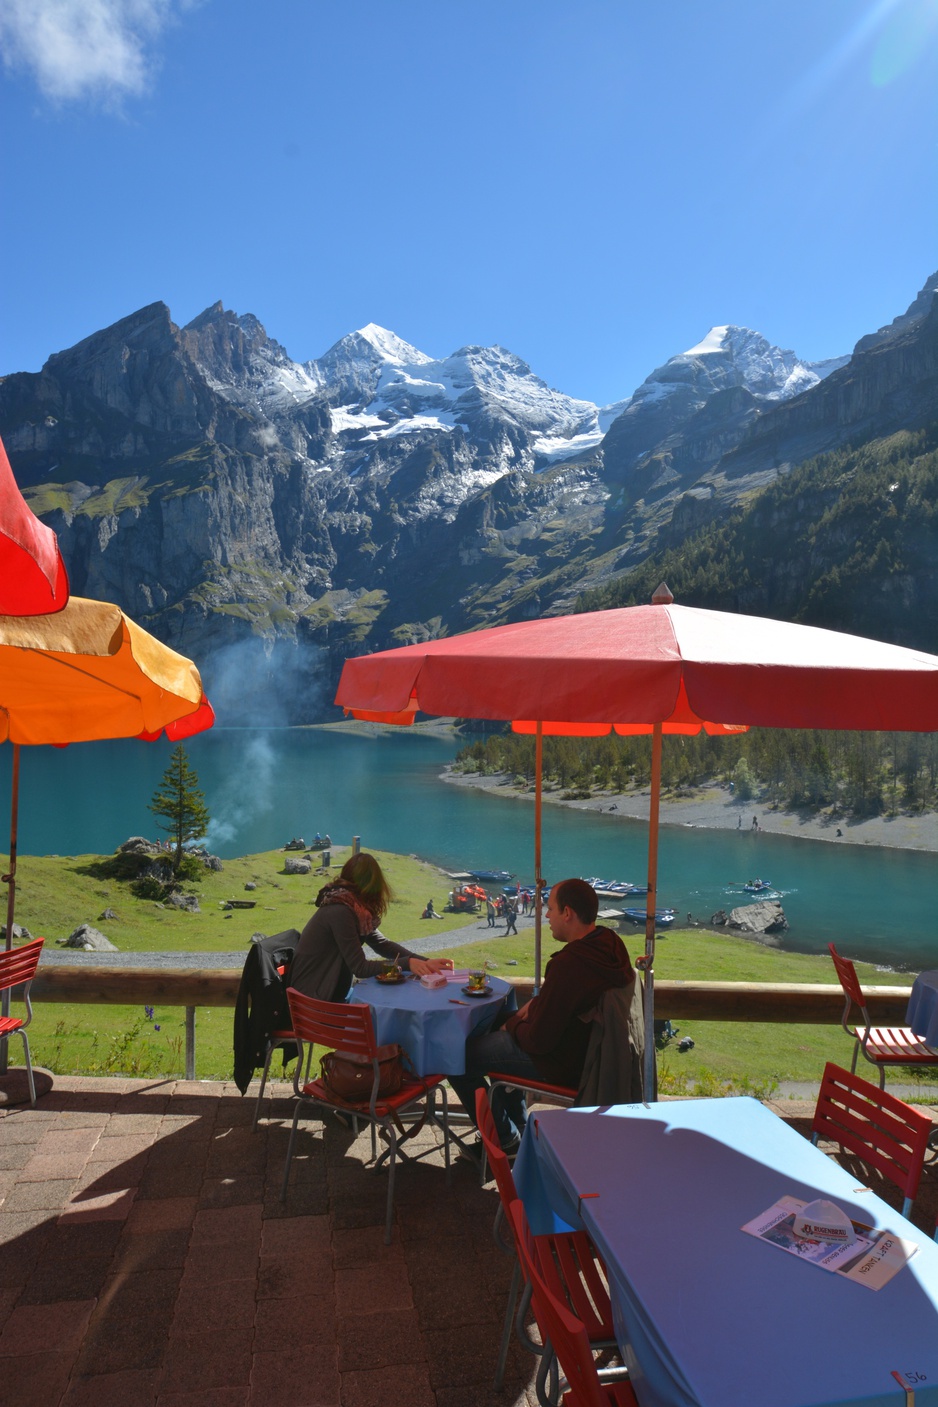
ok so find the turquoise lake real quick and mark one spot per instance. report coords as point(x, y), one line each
point(264, 787)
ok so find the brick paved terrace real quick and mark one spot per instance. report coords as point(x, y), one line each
point(146, 1260)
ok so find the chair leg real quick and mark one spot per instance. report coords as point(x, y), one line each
point(506, 1327)
point(547, 1382)
point(389, 1218)
point(856, 1052)
point(260, 1092)
point(29, 1070)
point(286, 1171)
point(907, 1207)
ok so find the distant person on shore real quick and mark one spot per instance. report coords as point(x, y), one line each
point(348, 911)
point(755, 823)
point(490, 911)
point(546, 1039)
point(429, 911)
point(511, 914)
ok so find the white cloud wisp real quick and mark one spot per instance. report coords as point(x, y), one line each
point(81, 49)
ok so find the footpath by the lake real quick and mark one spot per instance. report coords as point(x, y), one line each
point(714, 808)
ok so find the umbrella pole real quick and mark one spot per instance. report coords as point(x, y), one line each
point(10, 880)
point(651, 905)
point(538, 880)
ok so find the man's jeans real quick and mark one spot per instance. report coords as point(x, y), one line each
point(496, 1050)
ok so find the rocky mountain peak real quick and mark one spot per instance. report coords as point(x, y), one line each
point(242, 364)
point(916, 312)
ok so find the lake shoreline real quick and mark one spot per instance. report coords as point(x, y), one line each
point(713, 808)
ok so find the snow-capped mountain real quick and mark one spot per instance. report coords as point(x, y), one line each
point(381, 388)
point(224, 493)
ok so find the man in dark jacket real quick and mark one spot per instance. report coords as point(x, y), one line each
point(548, 1037)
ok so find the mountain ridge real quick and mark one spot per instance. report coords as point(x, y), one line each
point(238, 502)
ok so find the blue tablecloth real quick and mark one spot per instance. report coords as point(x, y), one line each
point(430, 1027)
point(706, 1315)
point(922, 1014)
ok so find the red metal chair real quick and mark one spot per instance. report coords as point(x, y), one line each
point(574, 1273)
point(17, 968)
point(879, 1128)
point(565, 1331)
point(880, 1045)
point(347, 1028)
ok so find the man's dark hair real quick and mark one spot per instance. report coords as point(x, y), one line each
point(579, 896)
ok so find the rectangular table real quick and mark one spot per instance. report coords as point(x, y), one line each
point(430, 1025)
point(706, 1315)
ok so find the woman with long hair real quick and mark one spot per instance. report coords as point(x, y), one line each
point(348, 911)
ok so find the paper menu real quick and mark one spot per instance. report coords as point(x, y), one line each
point(872, 1260)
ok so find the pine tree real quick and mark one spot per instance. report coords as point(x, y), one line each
point(180, 803)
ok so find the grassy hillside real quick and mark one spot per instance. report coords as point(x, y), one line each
point(57, 893)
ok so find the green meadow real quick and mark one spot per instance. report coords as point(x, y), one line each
point(56, 893)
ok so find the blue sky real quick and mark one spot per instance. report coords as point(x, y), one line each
point(591, 183)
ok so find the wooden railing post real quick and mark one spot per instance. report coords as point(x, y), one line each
point(190, 1042)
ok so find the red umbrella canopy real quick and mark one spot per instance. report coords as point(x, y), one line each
point(664, 663)
point(32, 574)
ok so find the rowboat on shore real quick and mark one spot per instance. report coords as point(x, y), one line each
point(663, 917)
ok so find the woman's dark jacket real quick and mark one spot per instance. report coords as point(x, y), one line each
point(261, 1006)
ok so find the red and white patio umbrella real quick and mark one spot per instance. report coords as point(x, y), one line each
point(658, 668)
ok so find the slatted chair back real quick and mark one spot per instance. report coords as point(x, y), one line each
point(18, 966)
point(850, 982)
point(567, 1334)
point(337, 1025)
point(879, 1128)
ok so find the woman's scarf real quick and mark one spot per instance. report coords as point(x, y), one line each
point(340, 892)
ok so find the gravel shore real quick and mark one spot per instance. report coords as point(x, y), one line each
point(713, 808)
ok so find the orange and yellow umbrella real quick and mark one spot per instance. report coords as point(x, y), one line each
point(87, 673)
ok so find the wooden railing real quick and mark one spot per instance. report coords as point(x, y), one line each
point(791, 1003)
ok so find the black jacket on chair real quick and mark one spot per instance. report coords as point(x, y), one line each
point(262, 1002)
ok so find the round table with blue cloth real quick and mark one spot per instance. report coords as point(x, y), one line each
point(922, 1014)
point(432, 1026)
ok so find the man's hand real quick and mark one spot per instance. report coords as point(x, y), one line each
point(421, 966)
point(522, 1012)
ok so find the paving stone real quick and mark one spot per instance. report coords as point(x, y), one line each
point(53, 1280)
point(106, 1206)
point(81, 1119)
point(133, 1343)
point(151, 1249)
point(62, 1324)
point(41, 1196)
point(231, 1305)
point(232, 1192)
point(458, 1360)
point(150, 1214)
point(74, 1141)
point(131, 1388)
point(211, 1397)
point(195, 1364)
point(407, 1386)
point(20, 1130)
point(214, 1262)
point(76, 1240)
point(15, 1155)
point(293, 1234)
point(173, 1182)
point(297, 1377)
point(120, 1149)
point(290, 1277)
point(107, 1176)
point(368, 1289)
point(365, 1246)
point(8, 1298)
point(475, 1395)
point(278, 1326)
point(219, 1224)
point(392, 1338)
point(46, 1167)
point(36, 1379)
point(138, 1293)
